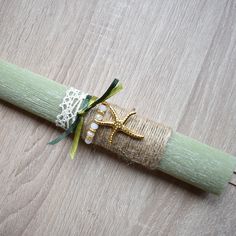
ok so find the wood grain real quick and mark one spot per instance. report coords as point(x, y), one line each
point(177, 60)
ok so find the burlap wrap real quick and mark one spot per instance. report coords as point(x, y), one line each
point(147, 152)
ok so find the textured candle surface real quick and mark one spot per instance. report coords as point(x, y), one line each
point(30, 91)
point(198, 164)
point(184, 158)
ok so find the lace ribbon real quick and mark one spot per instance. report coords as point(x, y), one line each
point(70, 106)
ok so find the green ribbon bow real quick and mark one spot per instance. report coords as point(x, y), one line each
point(88, 103)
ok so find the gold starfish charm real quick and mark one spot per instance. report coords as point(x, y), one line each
point(118, 125)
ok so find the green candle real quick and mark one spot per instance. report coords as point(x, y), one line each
point(198, 164)
point(184, 158)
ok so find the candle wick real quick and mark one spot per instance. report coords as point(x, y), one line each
point(233, 182)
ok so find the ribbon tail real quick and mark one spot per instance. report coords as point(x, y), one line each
point(113, 89)
point(118, 87)
point(69, 131)
point(59, 138)
point(76, 139)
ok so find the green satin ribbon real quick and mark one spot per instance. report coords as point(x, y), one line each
point(89, 103)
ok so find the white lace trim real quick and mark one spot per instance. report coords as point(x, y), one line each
point(70, 106)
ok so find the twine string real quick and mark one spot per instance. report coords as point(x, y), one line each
point(148, 151)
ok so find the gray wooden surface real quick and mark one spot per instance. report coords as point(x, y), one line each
point(177, 60)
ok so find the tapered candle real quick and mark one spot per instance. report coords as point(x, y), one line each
point(184, 158)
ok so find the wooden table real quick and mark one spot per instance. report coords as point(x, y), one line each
point(177, 60)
